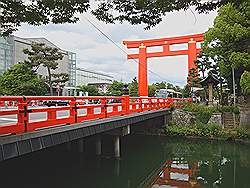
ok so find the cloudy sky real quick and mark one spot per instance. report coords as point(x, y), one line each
point(96, 53)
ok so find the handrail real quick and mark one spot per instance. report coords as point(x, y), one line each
point(79, 108)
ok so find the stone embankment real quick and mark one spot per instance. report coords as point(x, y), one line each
point(185, 118)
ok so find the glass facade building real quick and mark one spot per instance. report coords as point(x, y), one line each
point(11, 52)
point(72, 69)
point(6, 55)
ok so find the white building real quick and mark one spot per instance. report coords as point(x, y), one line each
point(11, 52)
point(87, 77)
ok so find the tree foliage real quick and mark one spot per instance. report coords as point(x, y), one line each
point(160, 85)
point(203, 63)
point(42, 55)
point(150, 12)
point(35, 12)
point(20, 79)
point(133, 88)
point(227, 42)
point(92, 90)
point(193, 78)
point(245, 83)
point(116, 88)
point(186, 91)
point(151, 90)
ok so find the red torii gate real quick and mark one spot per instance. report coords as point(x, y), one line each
point(143, 55)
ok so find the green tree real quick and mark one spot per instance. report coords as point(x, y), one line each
point(203, 63)
point(186, 91)
point(42, 55)
point(178, 88)
point(116, 88)
point(59, 79)
point(133, 88)
point(20, 79)
point(160, 85)
point(193, 78)
point(151, 90)
point(150, 12)
point(227, 42)
point(245, 83)
point(92, 90)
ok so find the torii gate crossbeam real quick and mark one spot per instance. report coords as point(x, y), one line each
point(143, 55)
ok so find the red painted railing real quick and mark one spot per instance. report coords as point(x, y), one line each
point(78, 109)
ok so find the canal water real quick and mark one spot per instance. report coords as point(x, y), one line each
point(147, 161)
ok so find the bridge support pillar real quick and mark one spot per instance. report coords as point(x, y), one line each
point(117, 146)
point(98, 145)
point(167, 119)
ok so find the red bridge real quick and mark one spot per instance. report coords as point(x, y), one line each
point(28, 125)
point(78, 110)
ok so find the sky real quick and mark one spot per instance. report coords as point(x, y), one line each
point(97, 53)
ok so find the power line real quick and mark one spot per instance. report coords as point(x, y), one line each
point(112, 41)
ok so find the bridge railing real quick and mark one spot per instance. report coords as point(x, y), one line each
point(28, 115)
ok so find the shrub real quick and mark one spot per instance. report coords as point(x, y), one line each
point(203, 113)
point(206, 130)
point(203, 116)
point(233, 109)
point(241, 133)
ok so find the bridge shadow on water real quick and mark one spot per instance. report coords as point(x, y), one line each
point(146, 161)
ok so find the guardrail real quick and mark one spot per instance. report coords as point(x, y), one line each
point(77, 108)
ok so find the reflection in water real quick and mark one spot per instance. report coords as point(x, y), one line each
point(178, 173)
point(203, 164)
point(147, 161)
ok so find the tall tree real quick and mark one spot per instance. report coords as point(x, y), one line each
point(116, 88)
point(42, 55)
point(245, 83)
point(160, 85)
point(150, 12)
point(227, 42)
point(151, 90)
point(20, 79)
point(193, 78)
point(203, 63)
point(92, 90)
point(186, 91)
point(133, 88)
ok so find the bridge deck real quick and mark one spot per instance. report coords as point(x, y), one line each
point(20, 144)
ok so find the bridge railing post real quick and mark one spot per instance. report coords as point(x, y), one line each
point(73, 111)
point(126, 104)
point(140, 105)
point(23, 116)
point(51, 115)
point(158, 105)
point(150, 104)
point(104, 107)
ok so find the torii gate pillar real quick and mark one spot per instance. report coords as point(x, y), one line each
point(142, 72)
point(192, 54)
point(143, 55)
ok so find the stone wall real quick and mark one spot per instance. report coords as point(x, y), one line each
point(245, 117)
point(184, 118)
point(216, 118)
